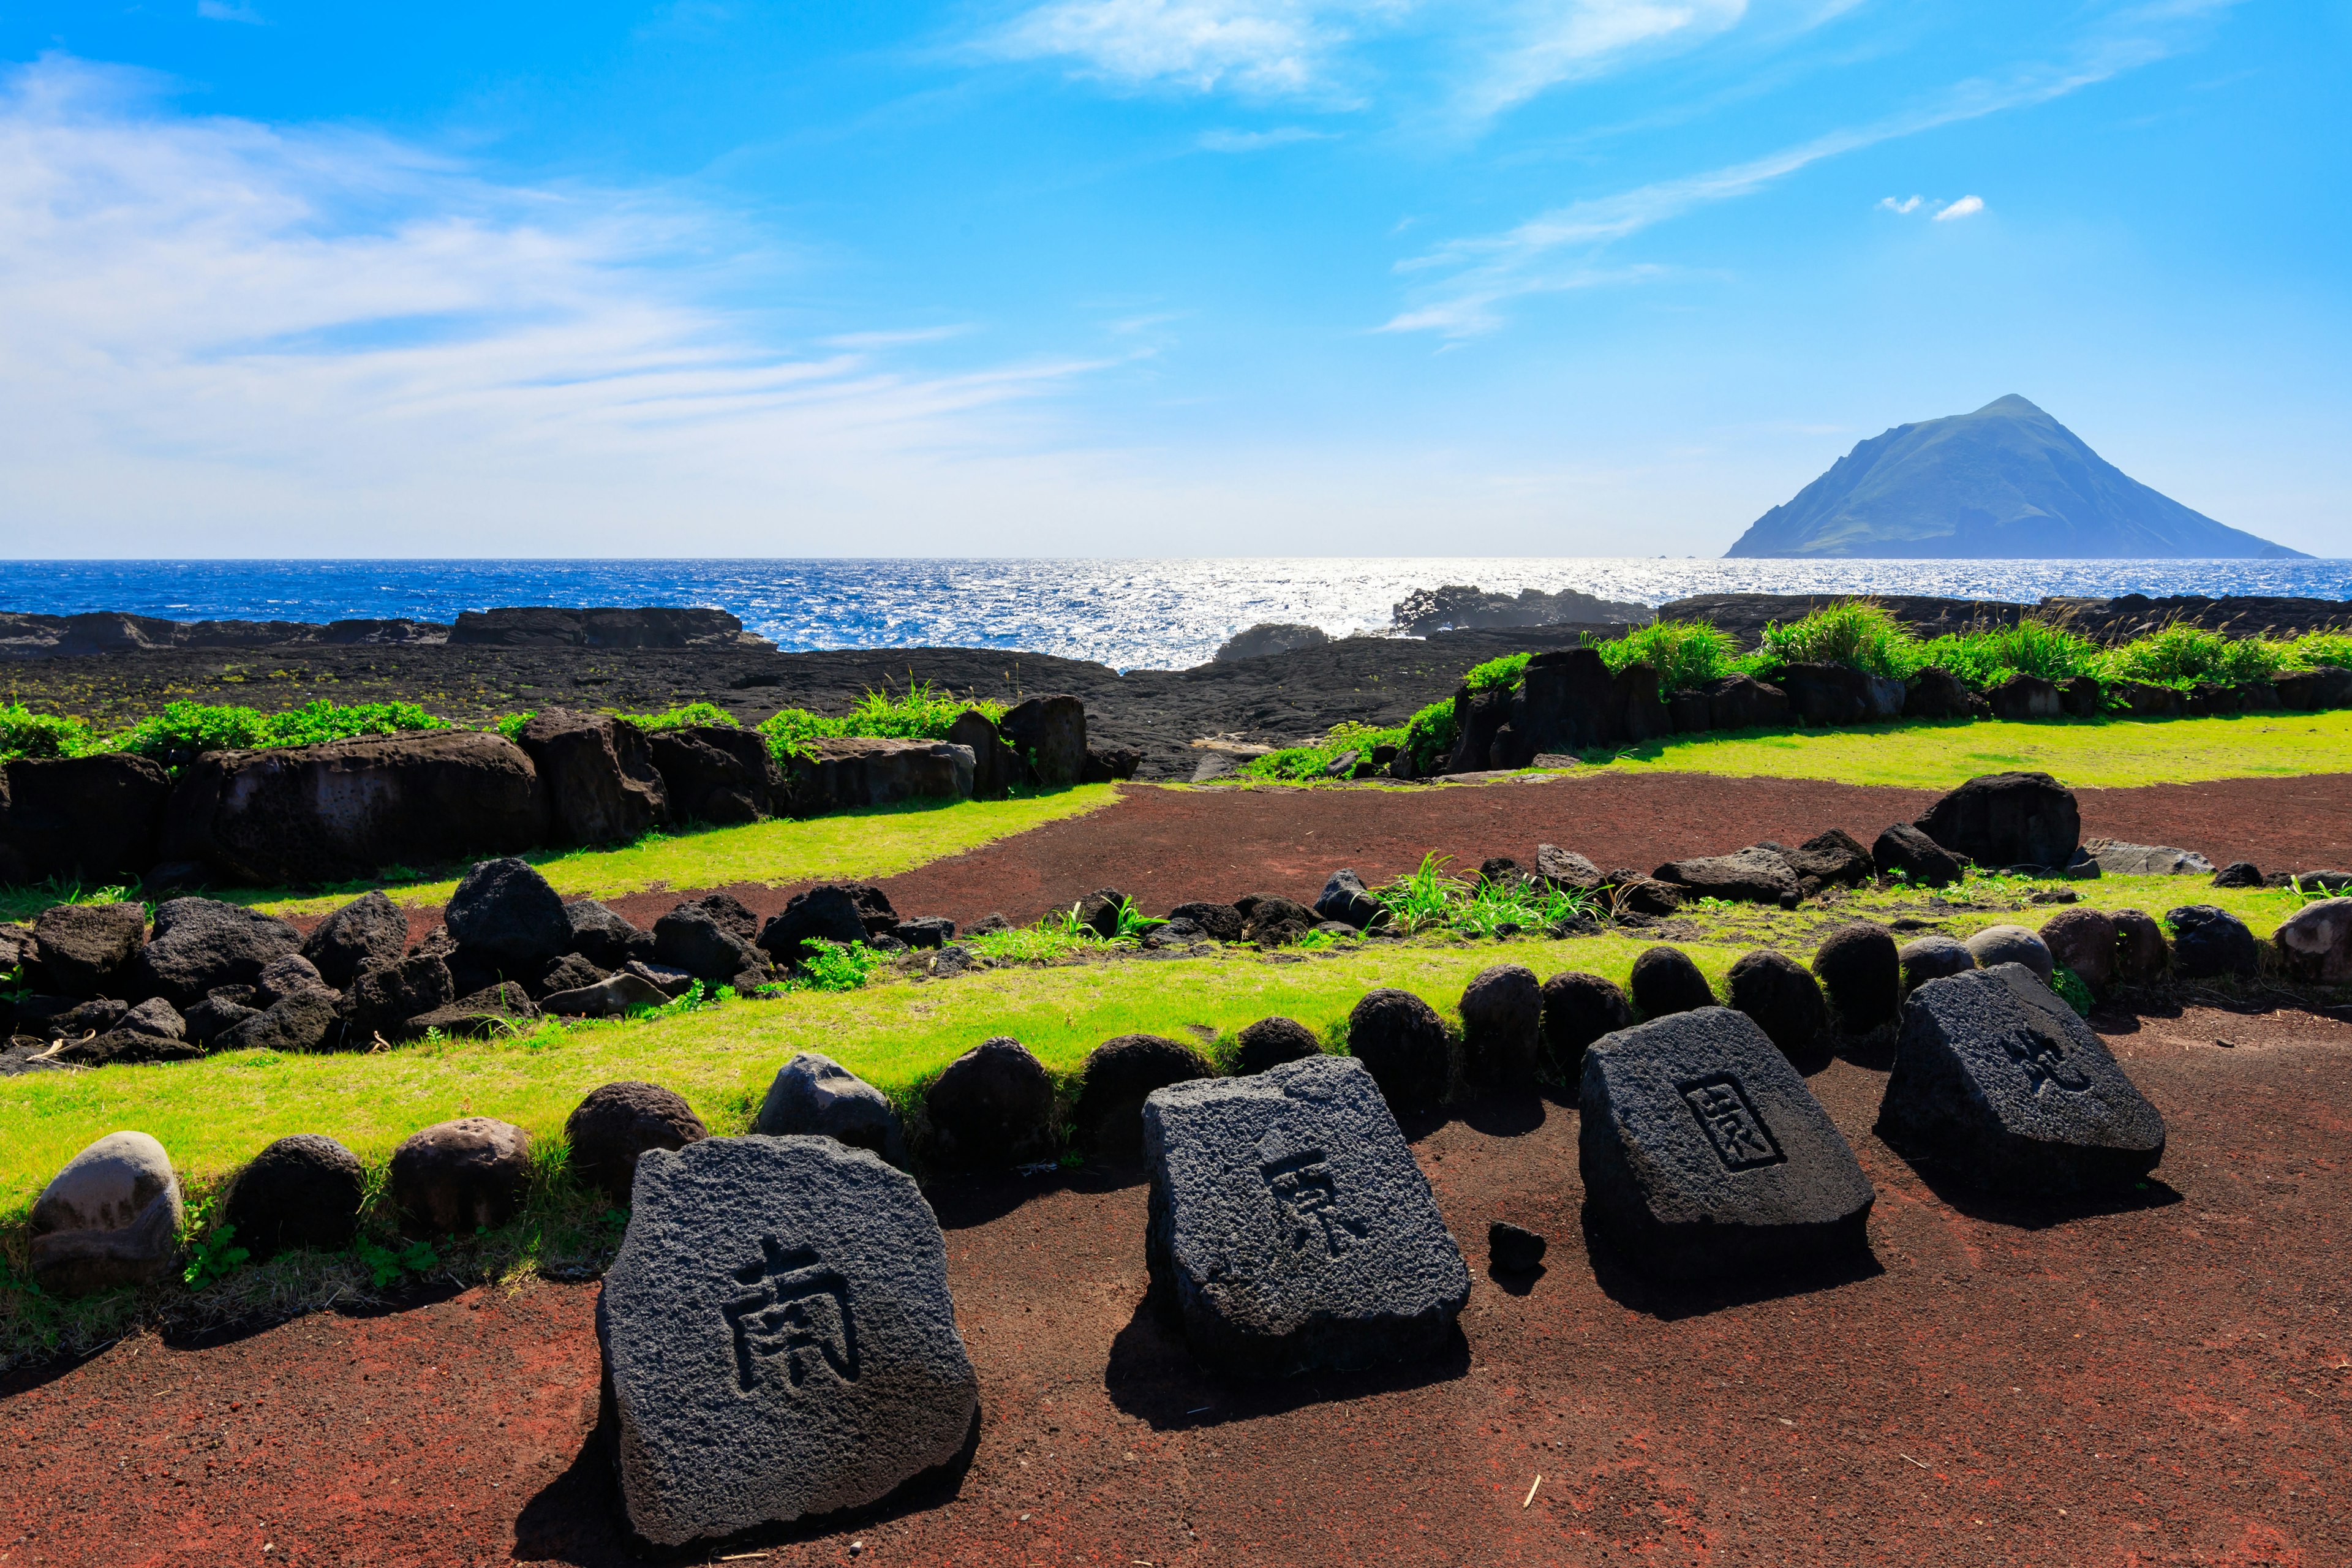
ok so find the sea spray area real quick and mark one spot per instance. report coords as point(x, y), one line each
point(1136, 614)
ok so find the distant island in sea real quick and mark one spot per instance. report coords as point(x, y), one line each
point(2007, 482)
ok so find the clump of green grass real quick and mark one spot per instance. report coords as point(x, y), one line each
point(1685, 654)
point(1430, 735)
point(684, 714)
point(2181, 655)
point(176, 735)
point(1852, 632)
point(1429, 896)
point(1297, 763)
point(2313, 650)
point(1988, 656)
point(24, 733)
point(1497, 674)
point(922, 712)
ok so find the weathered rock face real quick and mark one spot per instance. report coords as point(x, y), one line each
point(1755, 875)
point(1402, 1043)
point(2143, 700)
point(1932, 958)
point(610, 1130)
point(705, 943)
point(2147, 859)
point(479, 1013)
point(1502, 1025)
point(1823, 694)
point(1114, 764)
point(95, 819)
point(613, 996)
point(2142, 954)
point(778, 1338)
point(302, 1191)
point(109, 1217)
point(1861, 975)
point(1265, 637)
point(302, 1020)
point(200, 945)
point(2329, 686)
point(815, 1096)
point(599, 775)
point(505, 913)
point(2007, 819)
point(368, 932)
point(385, 998)
point(1703, 1155)
point(1270, 921)
point(993, 1107)
point(1220, 922)
point(1514, 1248)
point(454, 1175)
point(1345, 900)
point(2209, 943)
point(2084, 942)
point(1566, 869)
point(345, 809)
point(829, 913)
point(1783, 997)
point(717, 772)
point(1567, 702)
point(1744, 702)
point(1997, 1081)
point(1050, 734)
point(1833, 858)
point(1666, 981)
point(1289, 1225)
point(2315, 942)
point(1904, 851)
point(1119, 1074)
point(1270, 1042)
point(1936, 693)
point(89, 950)
point(2011, 944)
point(848, 772)
point(600, 626)
point(602, 937)
point(996, 767)
point(2024, 697)
point(1578, 1009)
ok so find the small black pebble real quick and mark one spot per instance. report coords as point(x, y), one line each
point(1513, 1249)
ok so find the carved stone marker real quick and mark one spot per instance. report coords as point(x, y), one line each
point(1997, 1077)
point(1703, 1155)
point(778, 1337)
point(1290, 1227)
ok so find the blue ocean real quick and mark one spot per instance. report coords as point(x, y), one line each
point(1141, 614)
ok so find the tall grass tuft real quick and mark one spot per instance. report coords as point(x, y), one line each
point(1497, 674)
point(1685, 654)
point(1989, 654)
point(1852, 632)
point(922, 712)
point(2181, 655)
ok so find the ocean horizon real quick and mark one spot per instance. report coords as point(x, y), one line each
point(1129, 614)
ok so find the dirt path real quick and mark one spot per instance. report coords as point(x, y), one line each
point(2165, 1383)
point(1163, 846)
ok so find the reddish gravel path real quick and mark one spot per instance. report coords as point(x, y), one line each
point(2160, 1384)
point(1163, 846)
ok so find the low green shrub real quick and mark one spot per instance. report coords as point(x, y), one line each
point(1852, 632)
point(2181, 655)
point(1988, 656)
point(922, 712)
point(1685, 654)
point(2313, 650)
point(24, 733)
point(1430, 735)
point(182, 730)
point(685, 714)
point(1497, 674)
point(1294, 764)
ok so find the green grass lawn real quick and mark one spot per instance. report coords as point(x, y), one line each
point(879, 841)
point(216, 1113)
point(2086, 753)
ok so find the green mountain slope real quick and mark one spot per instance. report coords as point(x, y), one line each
point(2006, 482)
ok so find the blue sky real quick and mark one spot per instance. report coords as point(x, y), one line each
point(1142, 277)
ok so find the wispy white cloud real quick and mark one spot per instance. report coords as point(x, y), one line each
point(228, 11)
point(1966, 207)
point(1255, 47)
point(317, 343)
point(1258, 141)
point(1539, 44)
point(1908, 205)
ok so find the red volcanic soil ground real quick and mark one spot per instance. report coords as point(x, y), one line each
point(1165, 846)
point(2166, 1381)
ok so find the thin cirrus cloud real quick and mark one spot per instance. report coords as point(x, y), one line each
point(284, 325)
point(1224, 141)
point(1471, 280)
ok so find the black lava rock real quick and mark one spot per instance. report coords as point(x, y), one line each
point(2142, 956)
point(829, 913)
point(1861, 971)
point(2239, 874)
point(604, 938)
point(709, 942)
point(302, 1191)
point(1344, 900)
point(1501, 1025)
point(199, 943)
point(1402, 1043)
point(993, 1107)
point(614, 1127)
point(505, 912)
point(90, 950)
point(925, 930)
point(384, 998)
point(2208, 942)
point(454, 1176)
point(1904, 851)
point(2007, 819)
point(1223, 922)
point(1119, 1074)
point(1666, 981)
point(1784, 999)
point(566, 972)
point(1578, 1009)
point(369, 930)
point(1270, 1042)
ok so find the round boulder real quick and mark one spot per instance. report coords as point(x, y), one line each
point(1666, 981)
point(2315, 944)
point(2141, 955)
point(1120, 1073)
point(1402, 1043)
point(202, 943)
point(1862, 973)
point(1270, 1042)
point(1783, 998)
point(616, 1124)
point(993, 1105)
point(460, 1176)
point(2084, 942)
point(1933, 958)
point(1502, 1023)
point(1578, 1009)
point(302, 1191)
point(2011, 944)
point(2239, 874)
point(505, 913)
point(815, 1094)
point(2209, 943)
point(109, 1217)
point(366, 933)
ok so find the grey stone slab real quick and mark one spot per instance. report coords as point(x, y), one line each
point(2147, 859)
point(1999, 1081)
point(1289, 1225)
point(1703, 1155)
point(778, 1337)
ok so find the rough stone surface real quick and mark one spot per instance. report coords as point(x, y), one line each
point(815, 1096)
point(925, 932)
point(843, 773)
point(302, 1191)
point(1932, 958)
point(385, 998)
point(1270, 1042)
point(158, 1017)
point(1223, 922)
point(716, 772)
point(111, 1216)
point(283, 976)
point(565, 972)
point(778, 1338)
point(1833, 858)
point(96, 820)
point(1345, 900)
point(996, 766)
point(479, 1013)
point(454, 1176)
point(828, 913)
point(2007, 819)
point(1783, 997)
point(89, 950)
point(1514, 1249)
point(200, 944)
point(1904, 851)
point(1402, 1043)
point(993, 1106)
point(1998, 1083)
point(704, 942)
point(599, 775)
point(2316, 943)
point(216, 1014)
point(614, 996)
point(1703, 1155)
point(603, 937)
point(1861, 974)
point(1050, 734)
point(1566, 869)
point(368, 932)
point(2147, 859)
point(2011, 944)
point(505, 913)
point(1755, 875)
point(2239, 874)
point(302, 1020)
point(1099, 911)
point(1666, 981)
point(2084, 942)
point(1289, 1225)
point(1501, 1025)
point(612, 1129)
point(1119, 1075)
point(2142, 956)
point(1578, 1009)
